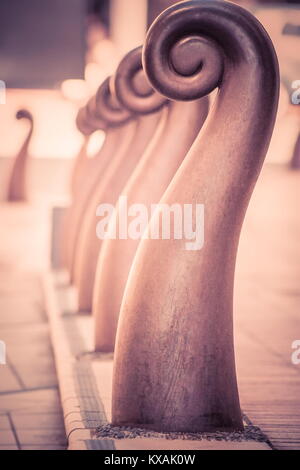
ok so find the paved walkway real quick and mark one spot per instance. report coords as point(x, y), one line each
point(30, 411)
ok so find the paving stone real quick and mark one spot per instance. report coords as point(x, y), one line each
point(37, 401)
point(16, 311)
point(42, 437)
point(8, 380)
point(4, 422)
point(30, 351)
point(25, 285)
point(37, 421)
point(7, 437)
point(44, 447)
point(8, 447)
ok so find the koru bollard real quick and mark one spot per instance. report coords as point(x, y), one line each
point(110, 187)
point(17, 185)
point(174, 361)
point(117, 125)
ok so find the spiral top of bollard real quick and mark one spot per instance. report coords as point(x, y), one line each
point(24, 114)
point(93, 116)
point(132, 87)
point(195, 46)
point(108, 107)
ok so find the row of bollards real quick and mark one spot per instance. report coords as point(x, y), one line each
point(167, 311)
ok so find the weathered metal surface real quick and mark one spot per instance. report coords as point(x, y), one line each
point(109, 189)
point(17, 185)
point(174, 361)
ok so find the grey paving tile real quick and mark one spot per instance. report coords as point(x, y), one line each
point(25, 285)
point(40, 374)
point(30, 352)
point(16, 311)
point(8, 380)
point(4, 422)
point(42, 437)
point(37, 421)
point(39, 401)
point(9, 447)
point(45, 447)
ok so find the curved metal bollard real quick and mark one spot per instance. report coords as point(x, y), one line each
point(109, 189)
point(174, 362)
point(17, 185)
point(146, 186)
point(118, 126)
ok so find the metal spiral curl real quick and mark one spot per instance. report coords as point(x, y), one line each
point(192, 45)
point(96, 121)
point(86, 124)
point(108, 108)
point(132, 87)
point(24, 114)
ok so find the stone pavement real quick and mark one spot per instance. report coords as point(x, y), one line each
point(30, 410)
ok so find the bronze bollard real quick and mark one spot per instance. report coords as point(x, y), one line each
point(173, 139)
point(17, 185)
point(118, 129)
point(174, 361)
point(109, 189)
point(87, 123)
